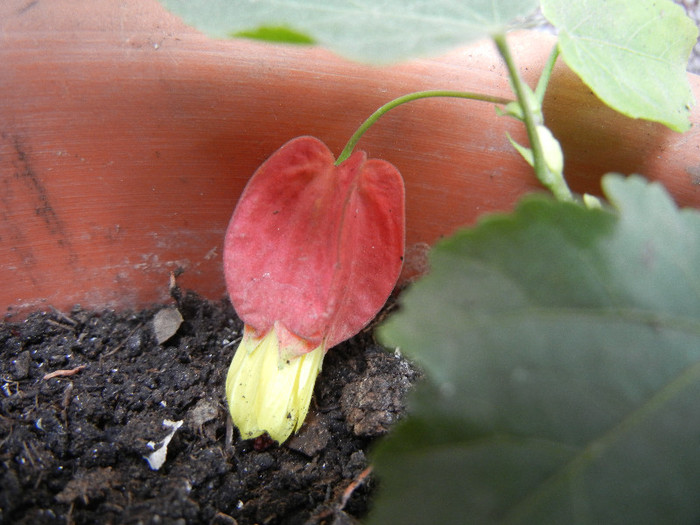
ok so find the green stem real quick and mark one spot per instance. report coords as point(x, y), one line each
point(347, 151)
point(558, 187)
point(546, 74)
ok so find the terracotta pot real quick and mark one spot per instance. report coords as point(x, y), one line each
point(126, 138)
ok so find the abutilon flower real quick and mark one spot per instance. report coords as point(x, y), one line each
point(311, 254)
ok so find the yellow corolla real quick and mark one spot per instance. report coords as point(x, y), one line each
point(267, 391)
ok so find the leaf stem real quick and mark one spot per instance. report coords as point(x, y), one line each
point(347, 151)
point(557, 186)
point(546, 74)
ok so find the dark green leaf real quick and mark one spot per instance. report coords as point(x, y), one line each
point(562, 347)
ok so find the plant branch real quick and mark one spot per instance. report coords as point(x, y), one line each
point(347, 151)
point(555, 182)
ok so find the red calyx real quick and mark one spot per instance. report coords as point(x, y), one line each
point(314, 247)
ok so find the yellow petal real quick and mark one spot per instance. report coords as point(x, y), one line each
point(267, 393)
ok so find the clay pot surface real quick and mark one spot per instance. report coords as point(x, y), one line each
point(126, 138)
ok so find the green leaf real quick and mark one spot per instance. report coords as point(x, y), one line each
point(365, 30)
point(633, 55)
point(279, 34)
point(562, 350)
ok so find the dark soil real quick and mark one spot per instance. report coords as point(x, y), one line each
point(84, 393)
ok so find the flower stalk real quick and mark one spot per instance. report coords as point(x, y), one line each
point(354, 139)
